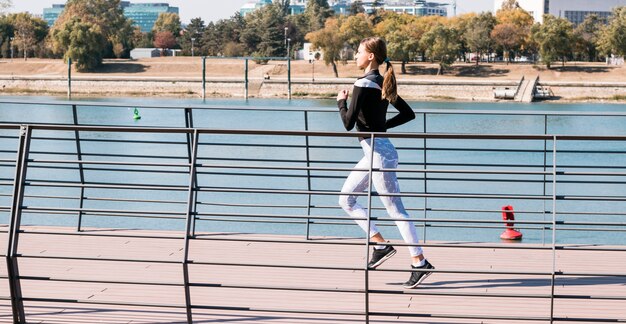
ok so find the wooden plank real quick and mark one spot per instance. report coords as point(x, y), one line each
point(225, 275)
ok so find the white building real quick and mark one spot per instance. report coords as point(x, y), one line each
point(573, 10)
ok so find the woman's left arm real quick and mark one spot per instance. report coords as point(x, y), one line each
point(405, 114)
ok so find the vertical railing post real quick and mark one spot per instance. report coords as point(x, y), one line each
point(246, 79)
point(189, 124)
point(289, 77)
point(81, 172)
point(204, 78)
point(554, 196)
point(13, 274)
point(189, 216)
point(308, 175)
point(367, 240)
point(425, 152)
point(545, 168)
point(69, 78)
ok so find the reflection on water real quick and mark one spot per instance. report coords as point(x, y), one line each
point(222, 152)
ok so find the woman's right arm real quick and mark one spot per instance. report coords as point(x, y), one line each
point(349, 115)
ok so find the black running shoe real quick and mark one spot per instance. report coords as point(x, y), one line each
point(418, 276)
point(380, 256)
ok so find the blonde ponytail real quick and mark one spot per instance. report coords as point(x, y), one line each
point(390, 86)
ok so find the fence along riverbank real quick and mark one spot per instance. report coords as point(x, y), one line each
point(552, 304)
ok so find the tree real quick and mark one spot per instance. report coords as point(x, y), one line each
point(420, 26)
point(194, 31)
point(164, 40)
point(329, 40)
point(102, 17)
point(317, 11)
point(586, 35)
point(513, 29)
point(442, 43)
point(554, 38)
point(84, 43)
point(355, 28)
point(478, 34)
point(264, 33)
point(356, 7)
point(28, 32)
point(168, 21)
point(223, 32)
point(613, 36)
point(510, 5)
point(395, 28)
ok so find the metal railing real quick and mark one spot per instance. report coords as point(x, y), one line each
point(193, 166)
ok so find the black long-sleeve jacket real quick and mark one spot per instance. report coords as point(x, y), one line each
point(368, 110)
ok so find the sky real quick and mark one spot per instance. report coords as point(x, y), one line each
point(213, 10)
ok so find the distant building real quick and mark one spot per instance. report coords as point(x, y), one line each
point(342, 7)
point(411, 7)
point(143, 15)
point(50, 15)
point(573, 10)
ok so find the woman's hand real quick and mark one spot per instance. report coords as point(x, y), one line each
point(343, 95)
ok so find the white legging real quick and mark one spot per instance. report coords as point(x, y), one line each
point(385, 156)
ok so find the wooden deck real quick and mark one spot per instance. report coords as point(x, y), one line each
point(260, 294)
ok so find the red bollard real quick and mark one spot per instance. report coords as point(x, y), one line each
point(510, 233)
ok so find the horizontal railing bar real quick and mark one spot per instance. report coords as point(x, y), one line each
point(96, 259)
point(87, 233)
point(96, 214)
point(108, 163)
point(37, 183)
point(318, 109)
point(335, 193)
point(146, 283)
point(408, 219)
point(488, 317)
point(262, 132)
point(94, 302)
point(96, 210)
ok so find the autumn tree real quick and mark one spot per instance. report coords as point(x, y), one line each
point(442, 44)
point(395, 29)
point(512, 31)
point(355, 28)
point(420, 26)
point(164, 40)
point(554, 38)
point(168, 21)
point(330, 40)
point(613, 37)
point(28, 32)
point(478, 34)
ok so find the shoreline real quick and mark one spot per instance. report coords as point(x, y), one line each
point(181, 77)
point(414, 90)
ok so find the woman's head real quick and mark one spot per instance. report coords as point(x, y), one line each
point(374, 50)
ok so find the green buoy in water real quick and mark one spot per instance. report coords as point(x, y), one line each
point(136, 114)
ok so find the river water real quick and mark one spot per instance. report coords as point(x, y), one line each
point(442, 155)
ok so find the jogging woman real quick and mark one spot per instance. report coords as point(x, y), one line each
point(371, 96)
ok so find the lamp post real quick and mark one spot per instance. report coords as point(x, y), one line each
point(193, 39)
point(11, 46)
point(286, 30)
point(288, 45)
